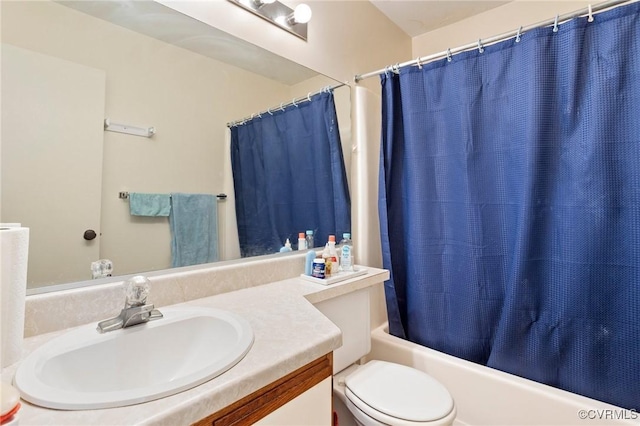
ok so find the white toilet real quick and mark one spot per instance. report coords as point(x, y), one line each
point(379, 393)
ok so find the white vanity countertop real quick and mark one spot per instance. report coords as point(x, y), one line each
point(289, 333)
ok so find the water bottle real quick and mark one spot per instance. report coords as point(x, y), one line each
point(309, 239)
point(346, 254)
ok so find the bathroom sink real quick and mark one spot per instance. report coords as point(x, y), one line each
point(84, 369)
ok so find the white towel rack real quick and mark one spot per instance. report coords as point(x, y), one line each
point(146, 132)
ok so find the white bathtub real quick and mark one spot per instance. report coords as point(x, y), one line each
point(485, 396)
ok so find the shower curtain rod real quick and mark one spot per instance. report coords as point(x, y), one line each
point(283, 105)
point(588, 11)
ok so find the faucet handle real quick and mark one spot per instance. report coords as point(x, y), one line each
point(136, 291)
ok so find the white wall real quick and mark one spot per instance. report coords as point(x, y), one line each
point(493, 22)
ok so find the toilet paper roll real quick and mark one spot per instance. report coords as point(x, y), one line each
point(14, 256)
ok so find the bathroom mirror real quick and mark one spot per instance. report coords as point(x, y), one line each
point(68, 66)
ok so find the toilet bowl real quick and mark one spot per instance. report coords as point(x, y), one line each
point(379, 393)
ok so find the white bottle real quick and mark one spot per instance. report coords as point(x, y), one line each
point(346, 254)
point(302, 242)
point(333, 253)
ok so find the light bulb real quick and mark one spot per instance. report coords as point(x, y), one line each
point(301, 14)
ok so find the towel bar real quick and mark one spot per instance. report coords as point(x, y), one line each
point(123, 195)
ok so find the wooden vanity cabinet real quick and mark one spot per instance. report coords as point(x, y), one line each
point(270, 398)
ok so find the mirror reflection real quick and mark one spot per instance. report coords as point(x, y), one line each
point(68, 66)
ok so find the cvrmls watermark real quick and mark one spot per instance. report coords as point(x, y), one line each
point(608, 414)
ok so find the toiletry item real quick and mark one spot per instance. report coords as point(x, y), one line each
point(346, 253)
point(335, 259)
point(308, 262)
point(309, 238)
point(302, 242)
point(326, 256)
point(319, 268)
point(287, 246)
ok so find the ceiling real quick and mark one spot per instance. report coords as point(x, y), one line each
point(416, 17)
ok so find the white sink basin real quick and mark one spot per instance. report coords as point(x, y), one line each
point(84, 369)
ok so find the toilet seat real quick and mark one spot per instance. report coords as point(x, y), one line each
point(400, 394)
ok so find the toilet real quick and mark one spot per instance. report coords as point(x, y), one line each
point(378, 393)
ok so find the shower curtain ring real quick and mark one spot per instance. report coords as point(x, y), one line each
point(293, 101)
point(518, 35)
point(480, 48)
point(555, 24)
point(396, 68)
point(418, 63)
point(281, 106)
point(590, 14)
point(449, 58)
point(309, 96)
point(269, 111)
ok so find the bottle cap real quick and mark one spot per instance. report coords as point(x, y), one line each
point(301, 235)
point(332, 238)
point(346, 235)
point(309, 232)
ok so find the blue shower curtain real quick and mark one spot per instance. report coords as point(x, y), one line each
point(510, 205)
point(289, 176)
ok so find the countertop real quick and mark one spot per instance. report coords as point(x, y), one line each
point(289, 333)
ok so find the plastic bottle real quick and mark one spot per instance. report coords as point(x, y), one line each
point(346, 253)
point(308, 262)
point(302, 241)
point(326, 255)
point(319, 269)
point(309, 239)
point(287, 246)
point(335, 260)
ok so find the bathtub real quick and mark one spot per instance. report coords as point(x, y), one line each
point(485, 396)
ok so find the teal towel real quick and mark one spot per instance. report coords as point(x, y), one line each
point(194, 229)
point(149, 204)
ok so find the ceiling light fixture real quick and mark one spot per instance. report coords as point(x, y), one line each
point(293, 21)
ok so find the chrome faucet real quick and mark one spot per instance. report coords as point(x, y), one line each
point(136, 310)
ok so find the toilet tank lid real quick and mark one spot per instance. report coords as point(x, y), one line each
point(400, 391)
